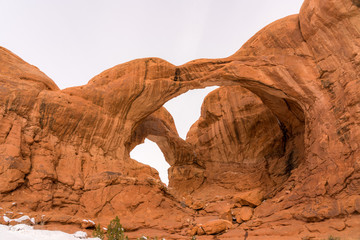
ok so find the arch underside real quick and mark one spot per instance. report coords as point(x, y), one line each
point(237, 144)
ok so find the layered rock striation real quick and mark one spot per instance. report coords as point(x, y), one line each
point(275, 151)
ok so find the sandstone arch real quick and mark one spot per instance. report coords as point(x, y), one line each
point(62, 148)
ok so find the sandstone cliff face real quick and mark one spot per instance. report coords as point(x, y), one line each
point(276, 149)
point(59, 158)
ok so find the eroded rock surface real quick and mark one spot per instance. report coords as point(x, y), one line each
point(275, 151)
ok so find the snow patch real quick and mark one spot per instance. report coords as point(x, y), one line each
point(89, 221)
point(20, 227)
point(24, 232)
point(20, 219)
point(80, 234)
point(6, 219)
point(23, 218)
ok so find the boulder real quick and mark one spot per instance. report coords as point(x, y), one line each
point(243, 214)
point(212, 227)
point(251, 198)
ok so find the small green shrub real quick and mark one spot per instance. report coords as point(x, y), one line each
point(333, 238)
point(99, 232)
point(115, 231)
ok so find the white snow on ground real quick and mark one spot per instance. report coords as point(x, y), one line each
point(25, 232)
point(20, 219)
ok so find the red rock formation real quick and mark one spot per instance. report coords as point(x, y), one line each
point(59, 151)
point(281, 158)
point(237, 137)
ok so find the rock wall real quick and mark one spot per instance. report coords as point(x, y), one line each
point(238, 144)
point(275, 151)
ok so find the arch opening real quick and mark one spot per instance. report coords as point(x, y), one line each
point(157, 137)
point(185, 108)
point(150, 154)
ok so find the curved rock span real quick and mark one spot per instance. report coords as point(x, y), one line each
point(274, 155)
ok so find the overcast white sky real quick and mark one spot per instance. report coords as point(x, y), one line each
point(74, 40)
